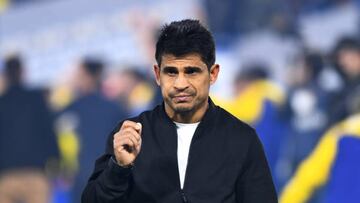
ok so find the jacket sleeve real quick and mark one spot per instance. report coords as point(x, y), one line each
point(109, 182)
point(254, 184)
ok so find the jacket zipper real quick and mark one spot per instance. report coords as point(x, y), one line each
point(184, 198)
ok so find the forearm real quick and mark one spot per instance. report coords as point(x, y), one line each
point(110, 185)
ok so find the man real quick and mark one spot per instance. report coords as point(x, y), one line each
point(94, 116)
point(331, 171)
point(347, 64)
point(258, 101)
point(132, 88)
point(27, 140)
point(187, 149)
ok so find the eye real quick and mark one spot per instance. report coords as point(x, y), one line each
point(192, 70)
point(170, 71)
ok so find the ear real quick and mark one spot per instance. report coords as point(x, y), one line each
point(214, 71)
point(157, 74)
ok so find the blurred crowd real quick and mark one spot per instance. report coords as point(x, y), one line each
point(301, 94)
point(60, 133)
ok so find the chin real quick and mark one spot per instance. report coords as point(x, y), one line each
point(183, 108)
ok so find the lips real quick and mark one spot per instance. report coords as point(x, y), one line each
point(182, 98)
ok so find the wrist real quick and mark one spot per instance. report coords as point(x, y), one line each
point(130, 165)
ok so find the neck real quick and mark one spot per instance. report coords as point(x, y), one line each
point(89, 89)
point(192, 116)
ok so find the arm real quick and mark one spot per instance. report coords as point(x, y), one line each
point(314, 171)
point(110, 182)
point(254, 184)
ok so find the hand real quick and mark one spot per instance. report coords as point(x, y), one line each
point(127, 143)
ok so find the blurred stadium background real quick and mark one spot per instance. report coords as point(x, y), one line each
point(291, 69)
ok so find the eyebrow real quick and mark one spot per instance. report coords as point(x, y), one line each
point(167, 69)
point(193, 68)
point(172, 68)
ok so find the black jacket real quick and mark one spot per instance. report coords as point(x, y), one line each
point(226, 164)
point(27, 137)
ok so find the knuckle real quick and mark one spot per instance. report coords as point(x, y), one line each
point(116, 135)
point(128, 123)
point(127, 130)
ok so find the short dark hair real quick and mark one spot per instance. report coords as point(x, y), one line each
point(253, 71)
point(184, 37)
point(13, 69)
point(93, 66)
point(347, 42)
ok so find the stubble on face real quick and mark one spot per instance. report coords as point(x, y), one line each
point(180, 101)
point(185, 83)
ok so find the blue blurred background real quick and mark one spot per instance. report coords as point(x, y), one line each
point(71, 69)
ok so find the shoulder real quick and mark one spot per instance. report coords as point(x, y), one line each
point(236, 128)
point(227, 119)
point(36, 97)
point(146, 116)
point(151, 116)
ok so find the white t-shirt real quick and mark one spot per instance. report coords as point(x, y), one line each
point(185, 132)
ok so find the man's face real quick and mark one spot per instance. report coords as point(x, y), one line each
point(185, 82)
point(349, 60)
point(82, 79)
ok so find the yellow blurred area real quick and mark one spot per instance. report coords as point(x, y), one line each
point(60, 97)
point(3, 5)
point(314, 171)
point(141, 95)
point(248, 105)
point(69, 149)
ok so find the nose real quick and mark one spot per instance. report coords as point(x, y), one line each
point(181, 82)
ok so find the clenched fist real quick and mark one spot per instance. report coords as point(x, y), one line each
point(127, 143)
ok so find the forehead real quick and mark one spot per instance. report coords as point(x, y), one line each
point(349, 51)
point(193, 60)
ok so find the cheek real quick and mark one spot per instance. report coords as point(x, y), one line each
point(201, 85)
point(165, 88)
point(167, 83)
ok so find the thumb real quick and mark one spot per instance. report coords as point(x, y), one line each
point(139, 128)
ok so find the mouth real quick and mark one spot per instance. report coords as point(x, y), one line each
point(182, 98)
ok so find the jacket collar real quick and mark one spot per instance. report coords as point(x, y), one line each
point(210, 113)
point(166, 136)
